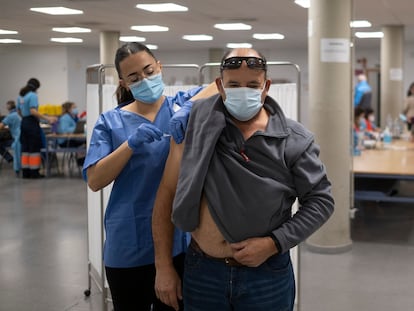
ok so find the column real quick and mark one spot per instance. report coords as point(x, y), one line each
point(392, 51)
point(215, 56)
point(108, 44)
point(330, 102)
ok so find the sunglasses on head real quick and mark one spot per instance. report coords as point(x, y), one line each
point(235, 63)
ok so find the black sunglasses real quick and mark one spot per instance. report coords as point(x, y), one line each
point(235, 63)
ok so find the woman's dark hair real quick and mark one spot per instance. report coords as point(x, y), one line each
point(409, 93)
point(32, 85)
point(66, 107)
point(122, 94)
point(11, 105)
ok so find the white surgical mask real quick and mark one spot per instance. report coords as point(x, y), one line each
point(243, 103)
point(371, 118)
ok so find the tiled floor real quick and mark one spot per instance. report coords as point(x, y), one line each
point(43, 254)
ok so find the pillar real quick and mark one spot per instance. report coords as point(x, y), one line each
point(108, 44)
point(215, 56)
point(330, 102)
point(392, 55)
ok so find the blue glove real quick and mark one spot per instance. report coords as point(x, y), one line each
point(178, 122)
point(145, 133)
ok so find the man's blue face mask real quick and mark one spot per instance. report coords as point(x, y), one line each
point(243, 103)
point(148, 90)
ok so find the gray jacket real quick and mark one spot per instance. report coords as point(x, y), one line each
point(251, 185)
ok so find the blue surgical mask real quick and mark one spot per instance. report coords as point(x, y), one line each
point(75, 111)
point(243, 103)
point(148, 90)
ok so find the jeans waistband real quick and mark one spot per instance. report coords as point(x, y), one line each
point(229, 261)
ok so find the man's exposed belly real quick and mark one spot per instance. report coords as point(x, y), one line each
point(208, 236)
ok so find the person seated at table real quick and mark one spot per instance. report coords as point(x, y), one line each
point(371, 128)
point(12, 121)
point(67, 125)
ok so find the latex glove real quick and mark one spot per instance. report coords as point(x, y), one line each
point(145, 133)
point(178, 122)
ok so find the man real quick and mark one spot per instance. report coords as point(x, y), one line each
point(362, 93)
point(242, 166)
point(12, 121)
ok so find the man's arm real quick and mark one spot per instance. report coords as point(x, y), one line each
point(167, 281)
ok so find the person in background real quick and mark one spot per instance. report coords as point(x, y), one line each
point(233, 183)
point(409, 107)
point(129, 146)
point(67, 124)
point(359, 120)
point(362, 93)
point(13, 121)
point(31, 133)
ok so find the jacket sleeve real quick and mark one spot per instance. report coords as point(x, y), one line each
point(316, 203)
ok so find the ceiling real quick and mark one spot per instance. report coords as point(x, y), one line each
point(282, 16)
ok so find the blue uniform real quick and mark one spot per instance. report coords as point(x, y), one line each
point(13, 121)
point(360, 89)
point(66, 124)
point(26, 102)
point(128, 215)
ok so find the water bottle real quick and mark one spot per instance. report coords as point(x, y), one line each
point(387, 136)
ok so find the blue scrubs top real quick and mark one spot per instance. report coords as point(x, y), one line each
point(24, 103)
point(66, 125)
point(13, 121)
point(128, 215)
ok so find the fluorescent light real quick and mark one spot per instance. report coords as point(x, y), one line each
point(162, 7)
point(150, 28)
point(238, 45)
point(71, 29)
point(152, 46)
point(10, 41)
point(233, 26)
point(66, 40)
point(131, 39)
point(377, 34)
point(7, 32)
point(360, 24)
point(197, 37)
point(268, 36)
point(59, 10)
point(303, 3)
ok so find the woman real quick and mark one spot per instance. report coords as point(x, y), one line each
point(31, 133)
point(409, 107)
point(67, 124)
point(13, 121)
point(129, 145)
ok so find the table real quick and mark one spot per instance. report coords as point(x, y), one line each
point(378, 172)
point(52, 147)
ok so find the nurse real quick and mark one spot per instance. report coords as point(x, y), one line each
point(129, 146)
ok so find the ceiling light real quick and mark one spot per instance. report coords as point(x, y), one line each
point(71, 29)
point(268, 36)
point(162, 7)
point(59, 10)
point(66, 40)
point(7, 32)
point(152, 46)
point(131, 39)
point(377, 34)
point(238, 45)
point(233, 26)
point(197, 37)
point(10, 41)
point(303, 3)
point(360, 24)
point(150, 28)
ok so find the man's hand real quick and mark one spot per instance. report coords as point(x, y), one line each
point(254, 251)
point(168, 286)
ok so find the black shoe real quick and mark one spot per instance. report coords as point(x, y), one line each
point(37, 176)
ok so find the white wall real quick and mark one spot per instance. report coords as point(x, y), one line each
point(60, 70)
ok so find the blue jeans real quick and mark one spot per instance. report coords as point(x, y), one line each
point(211, 284)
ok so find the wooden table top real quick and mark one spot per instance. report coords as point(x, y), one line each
point(396, 159)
